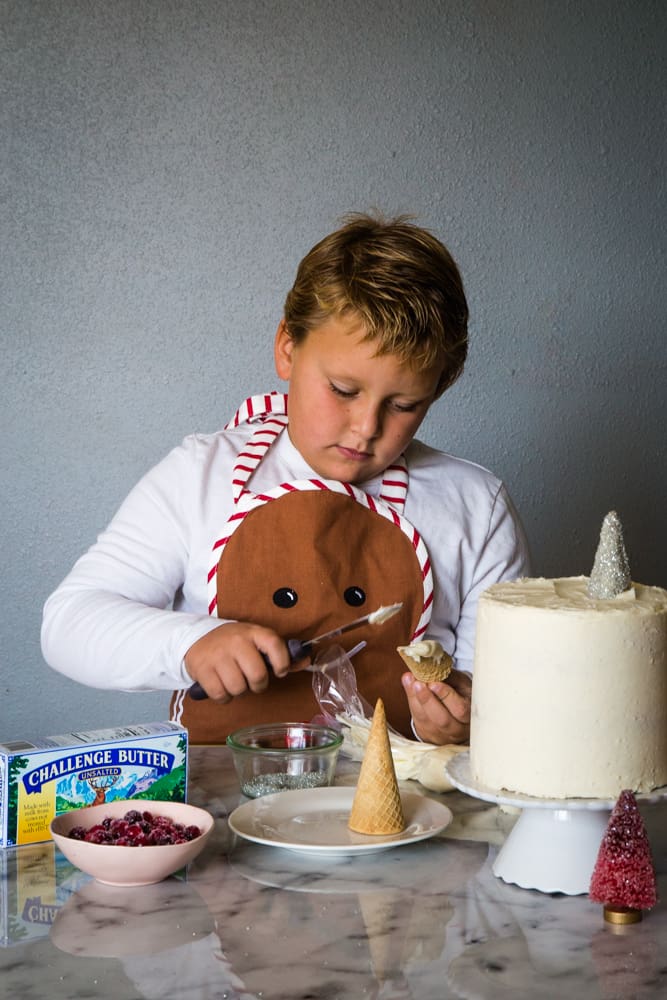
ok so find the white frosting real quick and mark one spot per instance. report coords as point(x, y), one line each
point(425, 649)
point(570, 692)
point(384, 613)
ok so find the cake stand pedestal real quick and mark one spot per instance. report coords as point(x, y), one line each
point(553, 845)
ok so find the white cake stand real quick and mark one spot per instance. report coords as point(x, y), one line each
point(554, 844)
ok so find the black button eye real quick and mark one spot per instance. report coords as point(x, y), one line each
point(355, 596)
point(285, 597)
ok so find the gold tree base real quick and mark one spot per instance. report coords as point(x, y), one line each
point(622, 915)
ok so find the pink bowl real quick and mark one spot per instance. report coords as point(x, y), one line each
point(119, 865)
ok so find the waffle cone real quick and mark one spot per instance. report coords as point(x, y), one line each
point(426, 669)
point(377, 807)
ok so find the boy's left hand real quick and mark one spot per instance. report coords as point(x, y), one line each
point(440, 711)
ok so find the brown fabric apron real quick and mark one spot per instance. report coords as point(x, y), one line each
point(304, 558)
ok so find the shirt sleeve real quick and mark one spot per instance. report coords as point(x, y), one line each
point(504, 555)
point(110, 624)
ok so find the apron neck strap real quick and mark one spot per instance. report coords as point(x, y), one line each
point(270, 411)
point(256, 408)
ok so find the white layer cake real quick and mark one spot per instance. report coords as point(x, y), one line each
point(569, 692)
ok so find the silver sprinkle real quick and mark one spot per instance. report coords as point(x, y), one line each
point(610, 575)
point(265, 784)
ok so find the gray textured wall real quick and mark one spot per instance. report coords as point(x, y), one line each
point(165, 164)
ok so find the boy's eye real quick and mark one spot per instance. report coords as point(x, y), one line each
point(345, 393)
point(390, 403)
point(405, 407)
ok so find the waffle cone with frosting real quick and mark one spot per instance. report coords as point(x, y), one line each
point(427, 660)
point(377, 808)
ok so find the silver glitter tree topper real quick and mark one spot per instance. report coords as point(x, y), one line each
point(610, 575)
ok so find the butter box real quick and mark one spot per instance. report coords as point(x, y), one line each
point(51, 775)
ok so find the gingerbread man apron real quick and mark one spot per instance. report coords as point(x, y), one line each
point(306, 557)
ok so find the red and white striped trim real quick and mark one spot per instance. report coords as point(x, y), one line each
point(249, 501)
point(259, 408)
point(395, 484)
point(254, 451)
point(271, 410)
point(178, 705)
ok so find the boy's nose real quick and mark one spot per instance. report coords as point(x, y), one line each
point(367, 420)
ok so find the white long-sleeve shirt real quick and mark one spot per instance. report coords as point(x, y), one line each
point(132, 606)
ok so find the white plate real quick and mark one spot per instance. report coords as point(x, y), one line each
point(315, 820)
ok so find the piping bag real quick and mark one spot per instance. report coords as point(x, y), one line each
point(344, 707)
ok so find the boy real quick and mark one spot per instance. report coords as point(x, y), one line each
point(309, 510)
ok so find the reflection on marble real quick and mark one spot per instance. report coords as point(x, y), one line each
point(250, 922)
point(106, 921)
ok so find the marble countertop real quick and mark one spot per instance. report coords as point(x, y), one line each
point(426, 921)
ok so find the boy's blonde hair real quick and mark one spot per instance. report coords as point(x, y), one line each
point(400, 280)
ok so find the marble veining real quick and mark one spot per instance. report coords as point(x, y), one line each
point(246, 921)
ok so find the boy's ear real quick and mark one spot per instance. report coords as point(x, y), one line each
point(283, 346)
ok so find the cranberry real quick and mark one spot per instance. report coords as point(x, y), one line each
point(161, 838)
point(137, 829)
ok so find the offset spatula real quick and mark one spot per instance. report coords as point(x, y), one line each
point(299, 649)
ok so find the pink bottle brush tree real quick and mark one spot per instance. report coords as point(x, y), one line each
point(623, 878)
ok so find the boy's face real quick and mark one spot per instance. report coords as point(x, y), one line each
point(351, 413)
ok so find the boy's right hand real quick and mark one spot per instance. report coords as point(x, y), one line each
point(228, 661)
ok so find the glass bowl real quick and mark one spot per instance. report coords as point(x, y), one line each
point(277, 756)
